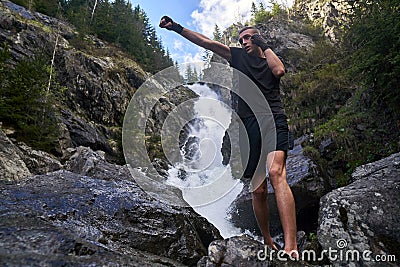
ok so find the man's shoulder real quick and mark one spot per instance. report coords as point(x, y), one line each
point(236, 50)
point(236, 53)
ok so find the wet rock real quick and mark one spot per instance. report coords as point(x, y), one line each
point(364, 216)
point(307, 186)
point(87, 217)
point(28, 240)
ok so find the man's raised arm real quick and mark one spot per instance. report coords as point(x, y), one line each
point(197, 38)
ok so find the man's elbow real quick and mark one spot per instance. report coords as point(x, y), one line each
point(278, 72)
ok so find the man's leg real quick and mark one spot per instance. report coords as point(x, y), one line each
point(276, 162)
point(261, 211)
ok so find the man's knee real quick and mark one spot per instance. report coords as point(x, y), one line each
point(275, 172)
point(261, 191)
point(276, 177)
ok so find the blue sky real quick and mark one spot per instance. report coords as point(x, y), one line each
point(198, 15)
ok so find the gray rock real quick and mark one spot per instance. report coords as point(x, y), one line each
point(83, 133)
point(28, 240)
point(332, 16)
point(38, 162)
point(364, 216)
point(87, 217)
point(12, 166)
point(307, 186)
point(243, 251)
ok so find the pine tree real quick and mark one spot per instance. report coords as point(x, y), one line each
point(217, 34)
point(26, 104)
point(253, 9)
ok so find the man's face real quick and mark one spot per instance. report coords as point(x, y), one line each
point(245, 41)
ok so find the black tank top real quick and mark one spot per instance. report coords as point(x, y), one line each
point(256, 68)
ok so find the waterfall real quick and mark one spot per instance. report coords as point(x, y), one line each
point(206, 184)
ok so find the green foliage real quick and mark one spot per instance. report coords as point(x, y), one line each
point(48, 7)
point(312, 236)
point(312, 30)
point(374, 44)
point(318, 90)
point(116, 21)
point(348, 93)
point(260, 14)
point(217, 34)
point(27, 104)
point(277, 10)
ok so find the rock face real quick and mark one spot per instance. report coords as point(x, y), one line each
point(364, 216)
point(103, 215)
point(98, 78)
point(332, 15)
point(307, 186)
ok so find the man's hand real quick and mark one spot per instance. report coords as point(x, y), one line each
point(167, 23)
point(260, 41)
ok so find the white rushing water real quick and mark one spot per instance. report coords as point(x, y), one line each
point(207, 185)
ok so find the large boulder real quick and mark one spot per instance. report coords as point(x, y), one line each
point(307, 186)
point(363, 217)
point(98, 211)
point(20, 160)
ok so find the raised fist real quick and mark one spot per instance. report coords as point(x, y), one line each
point(167, 23)
point(257, 39)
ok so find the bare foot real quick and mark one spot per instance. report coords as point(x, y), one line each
point(270, 243)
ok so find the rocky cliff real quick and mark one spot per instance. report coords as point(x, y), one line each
point(331, 16)
point(97, 77)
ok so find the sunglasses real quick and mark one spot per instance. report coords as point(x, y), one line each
point(245, 37)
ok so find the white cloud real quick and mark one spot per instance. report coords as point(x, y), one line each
point(189, 56)
point(178, 45)
point(224, 13)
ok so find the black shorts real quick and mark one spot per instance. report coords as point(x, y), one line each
point(255, 146)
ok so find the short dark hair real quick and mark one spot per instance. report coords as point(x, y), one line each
point(249, 28)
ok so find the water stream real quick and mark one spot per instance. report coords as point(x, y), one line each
point(207, 185)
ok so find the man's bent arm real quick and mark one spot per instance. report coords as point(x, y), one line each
point(205, 42)
point(274, 63)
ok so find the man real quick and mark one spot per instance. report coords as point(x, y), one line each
point(261, 65)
